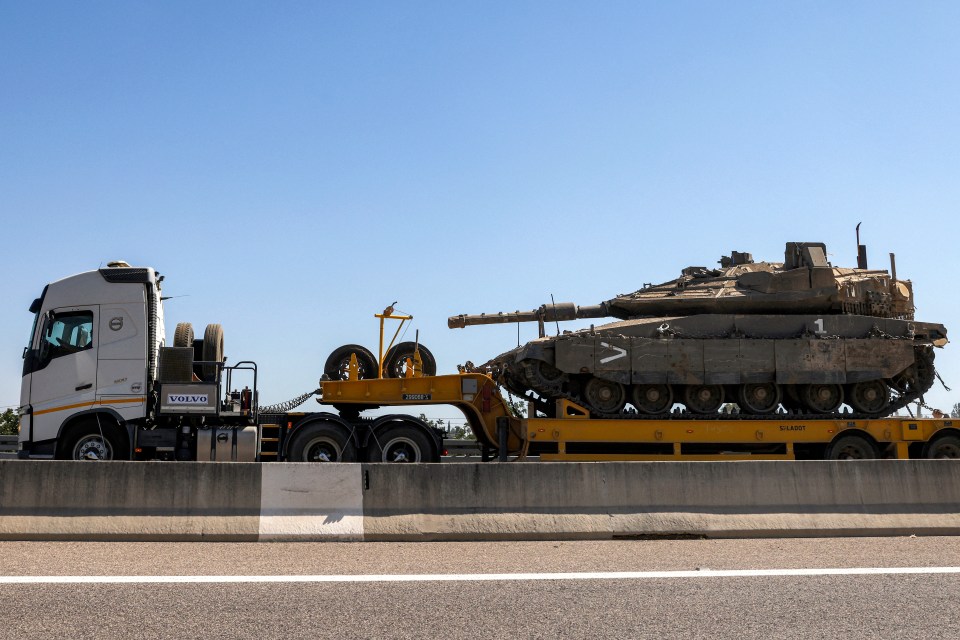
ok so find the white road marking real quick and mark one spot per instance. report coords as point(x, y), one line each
point(481, 577)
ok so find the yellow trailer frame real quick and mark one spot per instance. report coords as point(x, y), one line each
point(490, 417)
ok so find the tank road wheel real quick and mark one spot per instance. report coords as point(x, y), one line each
point(322, 443)
point(943, 447)
point(652, 398)
point(400, 444)
point(395, 362)
point(604, 396)
point(183, 336)
point(871, 397)
point(337, 366)
point(212, 350)
point(822, 398)
point(851, 448)
point(759, 399)
point(703, 398)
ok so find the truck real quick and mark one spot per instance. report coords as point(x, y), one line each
point(101, 382)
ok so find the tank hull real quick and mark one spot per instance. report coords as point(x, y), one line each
point(766, 354)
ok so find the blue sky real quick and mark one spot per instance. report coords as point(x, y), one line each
point(293, 167)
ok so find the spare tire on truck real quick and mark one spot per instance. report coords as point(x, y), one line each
point(212, 350)
point(337, 366)
point(395, 362)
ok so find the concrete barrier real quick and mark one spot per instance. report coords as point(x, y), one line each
point(301, 501)
point(624, 499)
point(60, 500)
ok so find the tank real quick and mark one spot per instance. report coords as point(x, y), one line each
point(798, 336)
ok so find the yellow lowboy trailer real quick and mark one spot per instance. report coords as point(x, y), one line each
point(574, 435)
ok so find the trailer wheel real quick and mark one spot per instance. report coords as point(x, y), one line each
point(322, 443)
point(92, 441)
point(212, 350)
point(943, 447)
point(337, 366)
point(400, 444)
point(395, 362)
point(851, 448)
point(183, 335)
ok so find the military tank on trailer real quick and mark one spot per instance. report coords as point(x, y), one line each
point(800, 335)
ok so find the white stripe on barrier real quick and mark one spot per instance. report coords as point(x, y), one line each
point(314, 501)
point(480, 577)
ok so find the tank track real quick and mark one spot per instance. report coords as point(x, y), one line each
point(914, 391)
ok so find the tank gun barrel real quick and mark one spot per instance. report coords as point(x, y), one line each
point(546, 313)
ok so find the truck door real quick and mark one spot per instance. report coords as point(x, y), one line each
point(64, 372)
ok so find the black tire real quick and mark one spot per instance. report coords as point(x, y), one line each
point(337, 366)
point(85, 442)
point(322, 443)
point(400, 443)
point(947, 446)
point(851, 448)
point(183, 335)
point(212, 350)
point(395, 362)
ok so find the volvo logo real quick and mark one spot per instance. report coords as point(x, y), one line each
point(116, 324)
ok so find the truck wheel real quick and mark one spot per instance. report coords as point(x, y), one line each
point(395, 362)
point(337, 366)
point(943, 447)
point(322, 443)
point(851, 448)
point(86, 442)
point(212, 350)
point(183, 336)
point(400, 444)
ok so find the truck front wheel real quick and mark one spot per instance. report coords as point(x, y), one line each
point(92, 441)
point(322, 443)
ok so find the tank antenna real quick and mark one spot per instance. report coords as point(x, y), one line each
point(553, 303)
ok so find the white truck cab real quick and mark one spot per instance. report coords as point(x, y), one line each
point(90, 363)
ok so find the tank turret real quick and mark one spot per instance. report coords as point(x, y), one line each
point(799, 335)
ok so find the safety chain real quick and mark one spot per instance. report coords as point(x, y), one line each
point(289, 405)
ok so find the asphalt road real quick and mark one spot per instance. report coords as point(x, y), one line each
point(692, 606)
